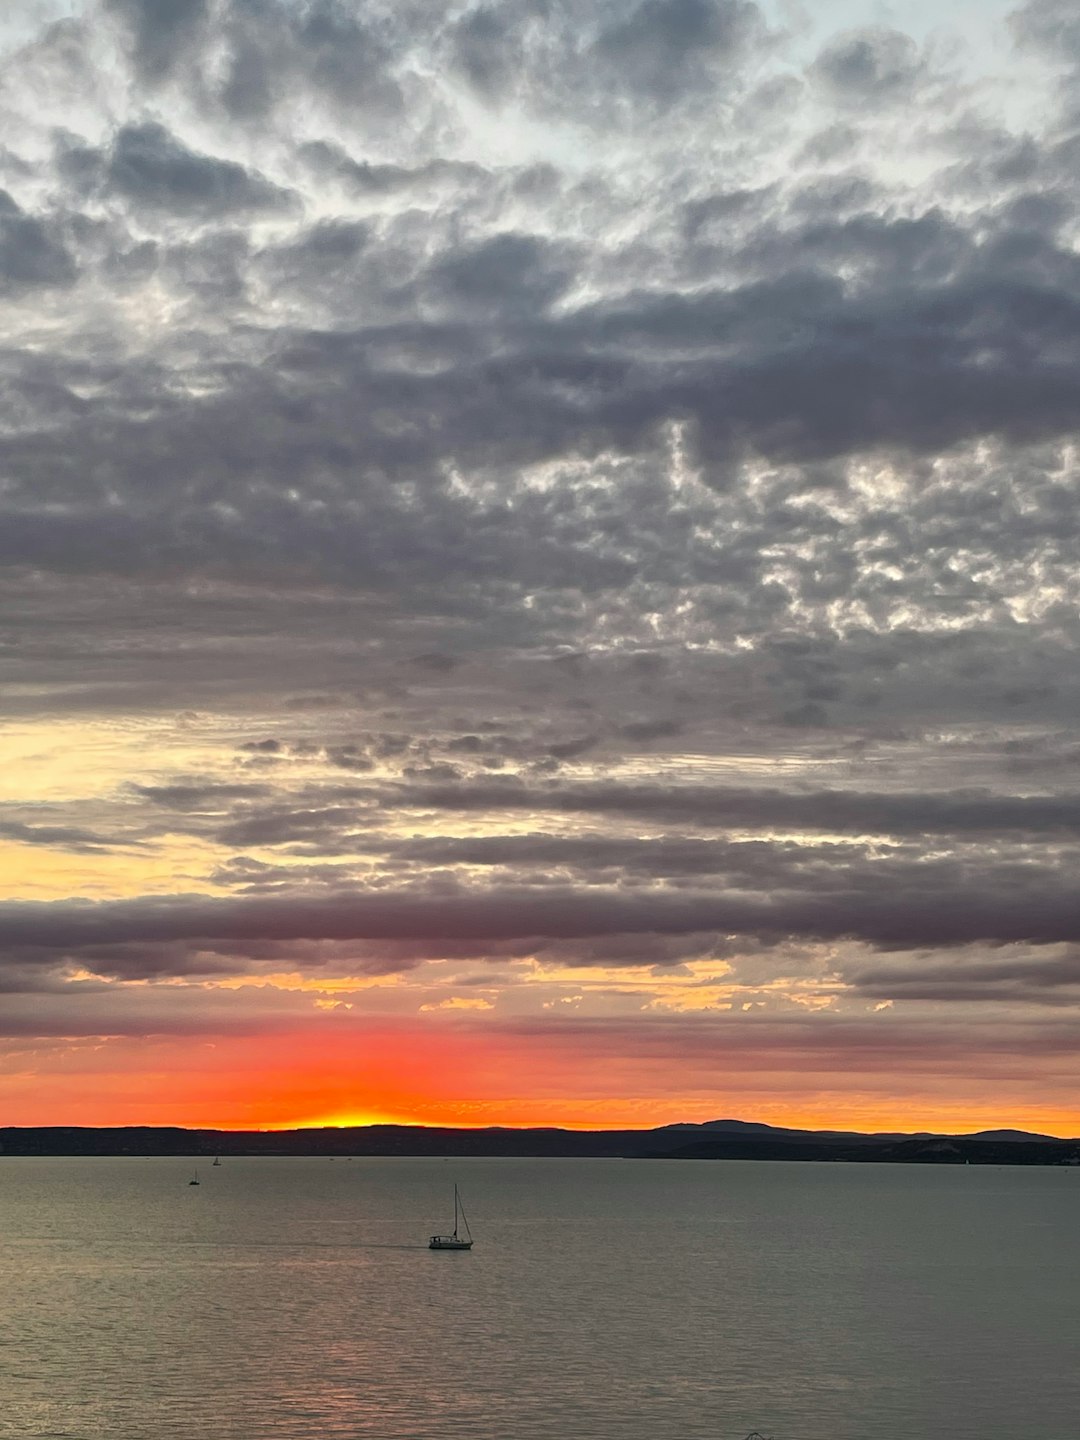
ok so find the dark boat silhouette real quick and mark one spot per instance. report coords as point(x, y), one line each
point(455, 1241)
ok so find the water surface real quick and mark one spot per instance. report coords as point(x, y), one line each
point(287, 1299)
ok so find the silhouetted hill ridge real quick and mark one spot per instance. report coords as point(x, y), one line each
point(711, 1140)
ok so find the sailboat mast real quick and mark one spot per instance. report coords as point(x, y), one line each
point(464, 1218)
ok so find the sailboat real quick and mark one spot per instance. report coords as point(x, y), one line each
point(455, 1241)
point(195, 1178)
point(217, 1159)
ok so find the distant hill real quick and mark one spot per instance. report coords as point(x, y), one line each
point(1007, 1135)
point(712, 1140)
point(750, 1129)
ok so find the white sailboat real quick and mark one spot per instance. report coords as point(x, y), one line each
point(456, 1241)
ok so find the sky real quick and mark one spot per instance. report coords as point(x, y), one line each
point(538, 563)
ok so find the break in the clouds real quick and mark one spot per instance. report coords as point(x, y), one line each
point(542, 533)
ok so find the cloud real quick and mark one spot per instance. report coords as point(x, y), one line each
point(211, 797)
point(1014, 978)
point(1041, 912)
point(247, 61)
point(590, 484)
point(846, 812)
point(64, 837)
point(592, 58)
point(875, 66)
point(31, 252)
point(150, 167)
point(160, 32)
point(1049, 24)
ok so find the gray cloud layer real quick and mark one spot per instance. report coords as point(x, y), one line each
point(592, 470)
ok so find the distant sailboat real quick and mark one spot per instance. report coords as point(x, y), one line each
point(455, 1241)
point(195, 1178)
point(217, 1159)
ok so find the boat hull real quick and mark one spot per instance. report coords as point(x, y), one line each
point(448, 1242)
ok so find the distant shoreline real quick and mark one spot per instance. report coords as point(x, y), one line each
point(716, 1140)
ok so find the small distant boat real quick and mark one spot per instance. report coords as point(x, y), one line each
point(195, 1178)
point(217, 1159)
point(456, 1241)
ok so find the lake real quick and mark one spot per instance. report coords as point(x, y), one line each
point(288, 1299)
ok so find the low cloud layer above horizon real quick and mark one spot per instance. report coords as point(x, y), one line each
point(538, 562)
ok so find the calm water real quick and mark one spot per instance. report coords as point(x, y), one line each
point(621, 1300)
